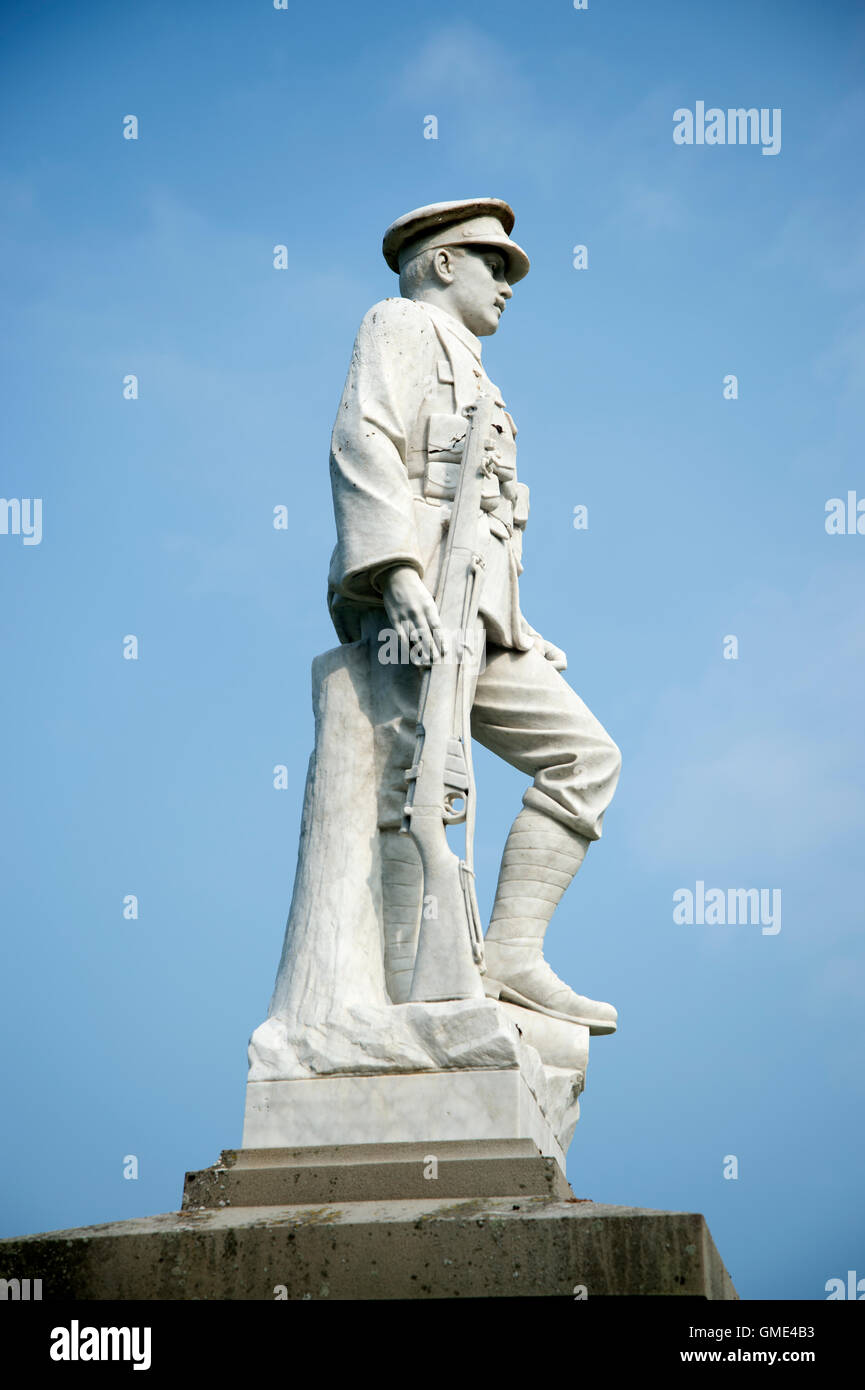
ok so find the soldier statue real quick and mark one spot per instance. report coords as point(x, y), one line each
point(415, 372)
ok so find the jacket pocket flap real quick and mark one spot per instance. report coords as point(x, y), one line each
point(446, 437)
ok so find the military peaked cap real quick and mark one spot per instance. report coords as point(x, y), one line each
point(467, 222)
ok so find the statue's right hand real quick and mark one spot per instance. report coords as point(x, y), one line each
point(413, 614)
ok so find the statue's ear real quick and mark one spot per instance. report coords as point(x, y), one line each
point(444, 264)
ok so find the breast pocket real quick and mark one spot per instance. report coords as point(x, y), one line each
point(446, 437)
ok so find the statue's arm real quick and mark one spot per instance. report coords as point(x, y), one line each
point(372, 500)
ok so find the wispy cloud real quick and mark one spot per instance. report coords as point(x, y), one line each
point(503, 119)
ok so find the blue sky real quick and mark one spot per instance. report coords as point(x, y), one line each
point(706, 518)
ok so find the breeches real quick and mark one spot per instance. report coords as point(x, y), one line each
point(523, 710)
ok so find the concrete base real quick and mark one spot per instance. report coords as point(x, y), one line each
point(492, 1248)
point(375, 1172)
point(494, 1219)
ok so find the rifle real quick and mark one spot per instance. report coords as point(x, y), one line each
point(441, 782)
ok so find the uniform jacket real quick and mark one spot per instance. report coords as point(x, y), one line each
point(395, 459)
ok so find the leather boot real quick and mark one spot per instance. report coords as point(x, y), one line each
point(540, 859)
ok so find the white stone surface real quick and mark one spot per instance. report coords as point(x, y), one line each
point(564, 1052)
point(416, 1039)
point(332, 957)
point(426, 1107)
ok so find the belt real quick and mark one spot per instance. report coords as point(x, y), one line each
point(497, 524)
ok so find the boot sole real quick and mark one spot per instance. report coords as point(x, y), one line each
point(596, 1027)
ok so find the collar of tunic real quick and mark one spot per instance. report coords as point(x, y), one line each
point(453, 325)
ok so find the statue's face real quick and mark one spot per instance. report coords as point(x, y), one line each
point(479, 290)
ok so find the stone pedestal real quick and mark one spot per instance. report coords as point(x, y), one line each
point(428, 1108)
point(376, 1172)
point(367, 1223)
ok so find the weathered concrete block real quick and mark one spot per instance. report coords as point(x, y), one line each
point(482, 1248)
point(376, 1172)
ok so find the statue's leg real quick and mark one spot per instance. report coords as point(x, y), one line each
point(540, 859)
point(527, 713)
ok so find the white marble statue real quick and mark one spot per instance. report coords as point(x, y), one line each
point(374, 979)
